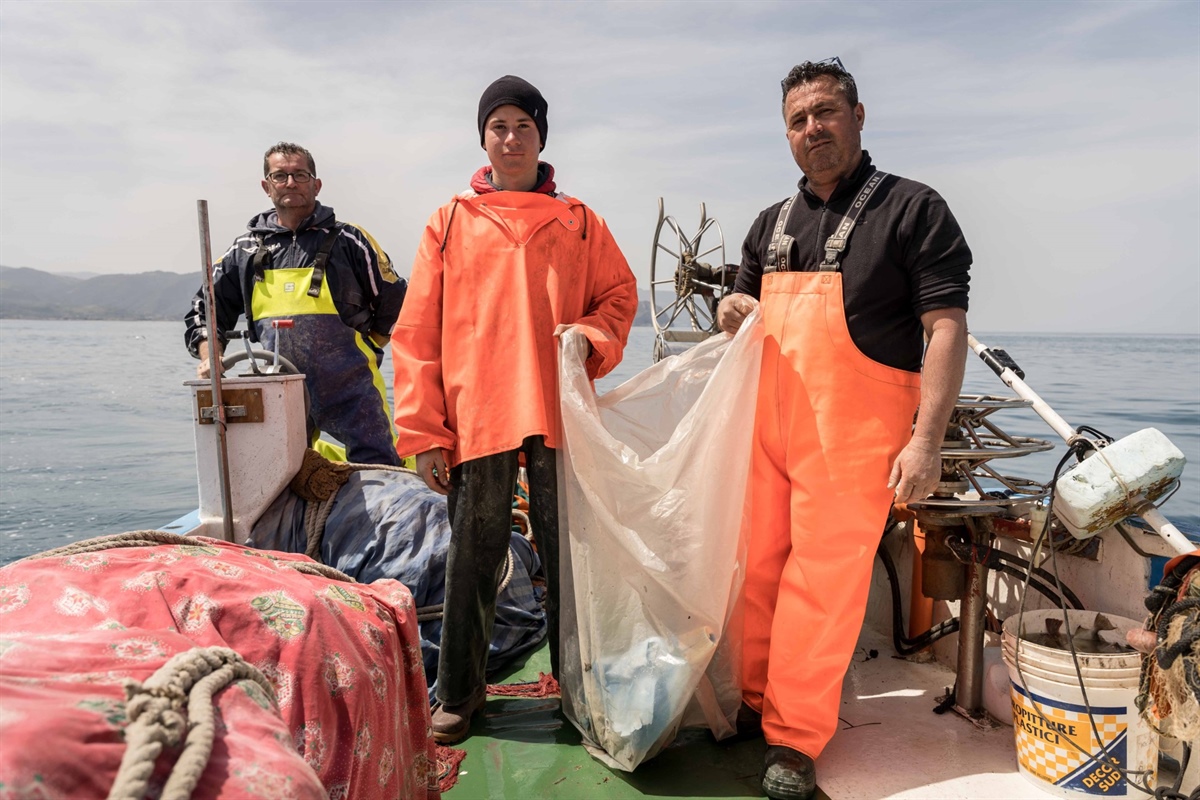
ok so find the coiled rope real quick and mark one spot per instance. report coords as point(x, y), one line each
point(156, 720)
point(152, 538)
point(318, 482)
point(129, 539)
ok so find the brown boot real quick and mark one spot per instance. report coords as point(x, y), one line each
point(451, 723)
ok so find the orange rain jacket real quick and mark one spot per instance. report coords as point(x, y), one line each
point(474, 349)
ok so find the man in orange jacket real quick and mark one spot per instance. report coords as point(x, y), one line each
point(852, 273)
point(501, 270)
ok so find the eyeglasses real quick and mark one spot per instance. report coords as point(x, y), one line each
point(832, 61)
point(281, 178)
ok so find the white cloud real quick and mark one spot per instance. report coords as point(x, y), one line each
point(1065, 136)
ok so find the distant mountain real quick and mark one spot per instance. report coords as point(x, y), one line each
point(644, 314)
point(33, 294)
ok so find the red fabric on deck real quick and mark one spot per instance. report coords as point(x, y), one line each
point(544, 686)
point(344, 658)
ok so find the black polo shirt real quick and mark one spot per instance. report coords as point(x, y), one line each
point(906, 255)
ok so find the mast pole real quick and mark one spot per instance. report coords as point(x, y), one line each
point(215, 371)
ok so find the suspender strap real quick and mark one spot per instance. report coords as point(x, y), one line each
point(262, 256)
point(835, 244)
point(781, 243)
point(258, 265)
point(318, 268)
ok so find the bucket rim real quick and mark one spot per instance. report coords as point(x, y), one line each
point(1106, 661)
point(1035, 655)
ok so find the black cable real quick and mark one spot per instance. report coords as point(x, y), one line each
point(1108, 760)
point(907, 647)
point(996, 559)
point(1172, 792)
point(1101, 435)
point(1188, 636)
point(902, 644)
point(1019, 564)
point(1042, 589)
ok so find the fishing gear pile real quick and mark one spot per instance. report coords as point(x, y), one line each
point(1170, 685)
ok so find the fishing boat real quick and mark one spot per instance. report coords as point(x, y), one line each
point(952, 693)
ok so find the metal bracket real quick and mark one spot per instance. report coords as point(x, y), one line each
point(241, 405)
point(232, 413)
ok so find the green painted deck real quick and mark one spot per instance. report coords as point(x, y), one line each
point(525, 748)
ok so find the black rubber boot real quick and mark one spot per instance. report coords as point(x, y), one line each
point(747, 726)
point(749, 723)
point(788, 774)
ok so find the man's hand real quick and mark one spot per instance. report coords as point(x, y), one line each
point(919, 466)
point(917, 471)
point(431, 466)
point(733, 310)
point(203, 370)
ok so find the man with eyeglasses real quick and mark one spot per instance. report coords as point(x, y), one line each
point(335, 284)
point(850, 274)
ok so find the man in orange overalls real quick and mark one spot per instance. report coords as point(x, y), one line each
point(851, 273)
point(501, 270)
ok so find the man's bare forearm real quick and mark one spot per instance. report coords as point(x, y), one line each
point(942, 374)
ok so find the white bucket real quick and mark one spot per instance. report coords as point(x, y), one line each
point(1056, 743)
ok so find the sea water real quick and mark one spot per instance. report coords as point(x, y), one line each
point(96, 425)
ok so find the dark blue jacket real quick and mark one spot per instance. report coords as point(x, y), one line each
point(366, 291)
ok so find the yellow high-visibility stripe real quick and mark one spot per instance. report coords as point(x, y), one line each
point(377, 380)
point(385, 263)
point(284, 293)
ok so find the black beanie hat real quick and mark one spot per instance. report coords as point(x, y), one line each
point(513, 91)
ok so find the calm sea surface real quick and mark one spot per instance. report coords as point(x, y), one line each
point(96, 431)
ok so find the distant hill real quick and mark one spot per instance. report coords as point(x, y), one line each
point(33, 294)
point(644, 313)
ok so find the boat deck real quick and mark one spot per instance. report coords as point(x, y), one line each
point(890, 745)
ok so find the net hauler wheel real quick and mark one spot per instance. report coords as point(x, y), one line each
point(684, 288)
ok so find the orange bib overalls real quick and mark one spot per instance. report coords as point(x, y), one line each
point(828, 427)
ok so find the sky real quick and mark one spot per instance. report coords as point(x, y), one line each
point(1065, 136)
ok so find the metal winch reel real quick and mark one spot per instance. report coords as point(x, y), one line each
point(972, 440)
point(963, 515)
point(691, 288)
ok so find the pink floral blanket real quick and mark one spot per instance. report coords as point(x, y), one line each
point(350, 716)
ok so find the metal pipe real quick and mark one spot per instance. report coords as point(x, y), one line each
point(214, 370)
point(1014, 382)
point(1166, 529)
point(969, 694)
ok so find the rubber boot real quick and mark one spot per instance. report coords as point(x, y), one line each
point(788, 774)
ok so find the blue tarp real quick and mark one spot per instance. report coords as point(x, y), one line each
point(390, 525)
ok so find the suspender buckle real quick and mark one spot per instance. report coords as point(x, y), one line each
point(318, 268)
point(314, 285)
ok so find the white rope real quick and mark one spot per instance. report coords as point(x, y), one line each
point(156, 720)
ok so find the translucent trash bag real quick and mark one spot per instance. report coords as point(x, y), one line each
point(652, 480)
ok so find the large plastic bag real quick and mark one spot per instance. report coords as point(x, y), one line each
point(651, 487)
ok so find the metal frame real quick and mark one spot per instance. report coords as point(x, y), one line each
point(967, 457)
point(688, 317)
